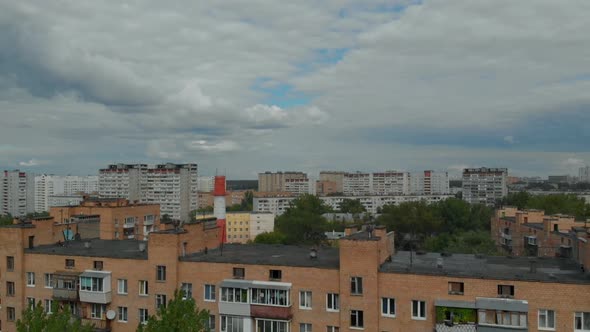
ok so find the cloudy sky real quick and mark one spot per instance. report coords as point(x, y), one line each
point(249, 86)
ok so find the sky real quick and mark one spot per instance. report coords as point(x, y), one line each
point(245, 87)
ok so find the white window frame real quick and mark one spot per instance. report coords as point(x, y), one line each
point(211, 296)
point(357, 319)
point(47, 305)
point(160, 301)
point(333, 302)
point(305, 327)
point(357, 289)
point(101, 312)
point(211, 322)
point(143, 288)
point(386, 304)
point(122, 282)
point(581, 315)
point(143, 316)
point(546, 312)
point(161, 273)
point(305, 300)
point(122, 314)
point(184, 287)
point(48, 277)
point(234, 321)
point(420, 315)
point(30, 279)
point(331, 328)
point(272, 329)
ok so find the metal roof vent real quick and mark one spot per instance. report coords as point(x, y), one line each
point(313, 254)
point(439, 262)
point(87, 245)
point(142, 246)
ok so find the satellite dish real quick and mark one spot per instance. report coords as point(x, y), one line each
point(111, 314)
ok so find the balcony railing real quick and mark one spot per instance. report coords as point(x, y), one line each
point(65, 294)
point(95, 297)
point(442, 327)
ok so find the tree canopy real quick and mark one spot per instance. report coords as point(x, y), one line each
point(303, 222)
point(61, 319)
point(178, 315)
point(353, 206)
point(551, 204)
point(270, 238)
point(6, 219)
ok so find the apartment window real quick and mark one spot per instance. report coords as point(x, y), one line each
point(48, 280)
point(10, 314)
point(160, 300)
point(356, 285)
point(211, 323)
point(10, 289)
point(161, 273)
point(356, 318)
point(305, 300)
point(9, 263)
point(266, 296)
point(456, 288)
point(268, 325)
point(239, 273)
point(505, 318)
point(91, 284)
point(546, 319)
point(30, 279)
point(97, 310)
point(122, 286)
point(97, 265)
point(143, 287)
point(582, 321)
point(122, 317)
point(332, 302)
point(332, 329)
point(48, 304)
point(31, 302)
point(230, 294)
point(505, 290)
point(305, 327)
point(418, 309)
point(187, 290)
point(387, 307)
point(235, 324)
point(209, 292)
point(143, 316)
point(275, 274)
point(70, 263)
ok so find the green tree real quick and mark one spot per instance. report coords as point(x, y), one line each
point(303, 222)
point(177, 316)
point(248, 201)
point(6, 219)
point(270, 238)
point(37, 320)
point(352, 206)
point(165, 218)
point(34, 215)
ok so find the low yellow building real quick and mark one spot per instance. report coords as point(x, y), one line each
point(244, 226)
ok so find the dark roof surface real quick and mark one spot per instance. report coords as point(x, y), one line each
point(268, 254)
point(126, 249)
point(488, 267)
point(534, 225)
point(510, 219)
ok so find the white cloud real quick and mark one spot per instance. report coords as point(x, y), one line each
point(30, 163)
point(509, 139)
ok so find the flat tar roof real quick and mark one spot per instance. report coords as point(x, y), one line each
point(487, 267)
point(124, 249)
point(269, 254)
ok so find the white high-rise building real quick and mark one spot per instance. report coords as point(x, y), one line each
point(484, 185)
point(173, 186)
point(429, 183)
point(205, 183)
point(17, 193)
point(356, 184)
point(584, 174)
point(379, 183)
point(50, 185)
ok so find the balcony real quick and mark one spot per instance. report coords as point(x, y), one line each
point(270, 312)
point(65, 286)
point(95, 287)
point(442, 327)
point(99, 325)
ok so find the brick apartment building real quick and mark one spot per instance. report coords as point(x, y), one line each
point(360, 285)
point(532, 233)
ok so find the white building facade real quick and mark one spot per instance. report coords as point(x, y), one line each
point(484, 185)
point(429, 183)
point(372, 203)
point(56, 185)
point(584, 174)
point(173, 186)
point(17, 193)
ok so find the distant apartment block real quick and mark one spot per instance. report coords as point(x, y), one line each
point(336, 180)
point(64, 200)
point(172, 186)
point(295, 182)
point(232, 197)
point(584, 174)
point(205, 183)
point(17, 193)
point(242, 227)
point(429, 183)
point(279, 204)
point(533, 233)
point(56, 185)
point(484, 185)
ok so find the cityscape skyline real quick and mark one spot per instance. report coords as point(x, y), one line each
point(404, 84)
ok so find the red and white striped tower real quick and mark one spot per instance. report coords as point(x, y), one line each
point(219, 205)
